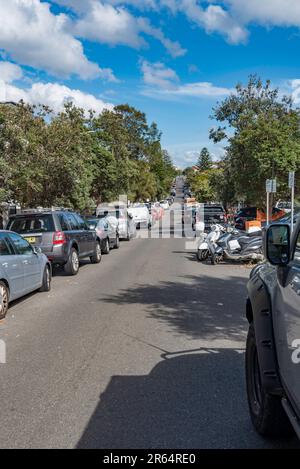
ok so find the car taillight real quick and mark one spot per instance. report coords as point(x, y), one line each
point(59, 238)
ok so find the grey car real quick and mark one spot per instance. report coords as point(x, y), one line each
point(273, 344)
point(62, 235)
point(107, 233)
point(23, 269)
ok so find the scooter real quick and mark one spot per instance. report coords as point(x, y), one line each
point(225, 243)
point(237, 246)
point(208, 241)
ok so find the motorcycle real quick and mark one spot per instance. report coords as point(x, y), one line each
point(228, 244)
point(208, 241)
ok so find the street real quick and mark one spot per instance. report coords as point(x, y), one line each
point(143, 350)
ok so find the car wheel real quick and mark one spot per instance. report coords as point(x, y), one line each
point(72, 265)
point(46, 285)
point(4, 297)
point(106, 248)
point(96, 258)
point(117, 243)
point(266, 411)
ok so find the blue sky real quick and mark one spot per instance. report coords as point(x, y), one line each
point(172, 59)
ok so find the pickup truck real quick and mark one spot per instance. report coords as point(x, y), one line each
point(273, 343)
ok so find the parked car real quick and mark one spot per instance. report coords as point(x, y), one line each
point(208, 215)
point(273, 344)
point(254, 213)
point(120, 218)
point(157, 211)
point(141, 215)
point(284, 205)
point(106, 232)
point(62, 236)
point(23, 269)
point(164, 204)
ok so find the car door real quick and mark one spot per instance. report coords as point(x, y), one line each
point(12, 267)
point(88, 236)
point(31, 262)
point(287, 322)
point(75, 233)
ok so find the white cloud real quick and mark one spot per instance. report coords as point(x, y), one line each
point(32, 35)
point(10, 72)
point(110, 23)
point(227, 17)
point(163, 82)
point(266, 12)
point(294, 88)
point(52, 94)
point(158, 75)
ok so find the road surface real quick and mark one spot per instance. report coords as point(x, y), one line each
point(143, 350)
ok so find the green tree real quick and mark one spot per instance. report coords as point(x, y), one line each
point(263, 139)
point(205, 160)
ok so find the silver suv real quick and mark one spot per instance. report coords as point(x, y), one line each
point(63, 236)
point(273, 345)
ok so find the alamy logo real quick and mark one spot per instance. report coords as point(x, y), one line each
point(296, 352)
point(2, 352)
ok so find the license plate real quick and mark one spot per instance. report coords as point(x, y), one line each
point(31, 240)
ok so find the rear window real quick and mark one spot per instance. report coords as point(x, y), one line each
point(32, 224)
point(247, 212)
point(213, 209)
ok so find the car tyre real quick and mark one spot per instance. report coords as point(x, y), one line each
point(266, 411)
point(117, 243)
point(4, 299)
point(106, 248)
point(46, 285)
point(97, 256)
point(72, 265)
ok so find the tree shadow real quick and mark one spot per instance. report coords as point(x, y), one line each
point(201, 307)
point(187, 401)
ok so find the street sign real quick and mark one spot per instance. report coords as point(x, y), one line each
point(271, 185)
point(291, 179)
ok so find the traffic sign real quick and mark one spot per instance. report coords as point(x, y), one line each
point(291, 179)
point(271, 185)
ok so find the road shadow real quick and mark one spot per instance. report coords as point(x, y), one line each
point(201, 307)
point(188, 401)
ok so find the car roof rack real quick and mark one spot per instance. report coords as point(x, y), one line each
point(44, 209)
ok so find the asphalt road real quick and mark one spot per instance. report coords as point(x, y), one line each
point(143, 350)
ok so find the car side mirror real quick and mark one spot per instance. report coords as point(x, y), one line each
point(278, 244)
point(37, 250)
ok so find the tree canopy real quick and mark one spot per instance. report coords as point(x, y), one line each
point(75, 160)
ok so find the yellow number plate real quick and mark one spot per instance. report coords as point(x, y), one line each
point(31, 240)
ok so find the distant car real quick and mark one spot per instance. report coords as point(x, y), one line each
point(157, 211)
point(62, 236)
point(208, 215)
point(23, 269)
point(141, 215)
point(254, 213)
point(106, 232)
point(119, 217)
point(164, 204)
point(284, 205)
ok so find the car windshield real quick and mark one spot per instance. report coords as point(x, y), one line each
point(92, 222)
point(32, 224)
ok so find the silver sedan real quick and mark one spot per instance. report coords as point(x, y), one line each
point(23, 269)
